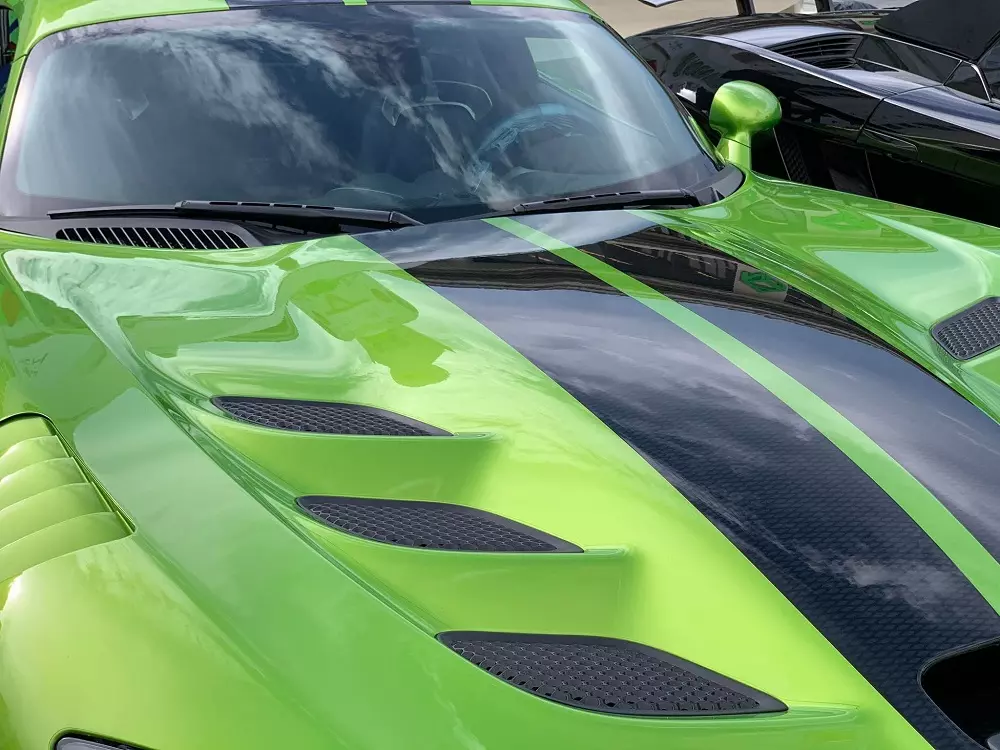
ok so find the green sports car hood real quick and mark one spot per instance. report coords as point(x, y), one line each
point(728, 432)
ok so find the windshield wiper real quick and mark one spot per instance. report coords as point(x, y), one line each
point(599, 201)
point(318, 219)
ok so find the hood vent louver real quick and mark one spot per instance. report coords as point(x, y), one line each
point(608, 675)
point(966, 687)
point(48, 506)
point(437, 526)
point(829, 52)
point(322, 417)
point(155, 237)
point(972, 332)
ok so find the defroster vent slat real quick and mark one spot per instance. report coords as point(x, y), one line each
point(160, 238)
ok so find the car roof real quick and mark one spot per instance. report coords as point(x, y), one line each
point(966, 28)
point(39, 18)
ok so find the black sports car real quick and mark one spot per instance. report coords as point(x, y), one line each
point(901, 104)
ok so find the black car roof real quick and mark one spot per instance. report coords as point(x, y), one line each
point(966, 28)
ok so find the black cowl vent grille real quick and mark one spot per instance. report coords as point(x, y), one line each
point(971, 332)
point(156, 237)
point(322, 417)
point(439, 526)
point(829, 52)
point(607, 675)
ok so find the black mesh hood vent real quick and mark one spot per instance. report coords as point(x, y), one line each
point(971, 332)
point(439, 526)
point(607, 675)
point(828, 52)
point(156, 237)
point(322, 417)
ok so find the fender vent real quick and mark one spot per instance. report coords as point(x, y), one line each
point(48, 506)
point(607, 675)
point(439, 526)
point(157, 237)
point(322, 417)
point(971, 332)
point(966, 686)
point(829, 52)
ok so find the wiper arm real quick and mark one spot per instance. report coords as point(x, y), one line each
point(318, 219)
point(591, 201)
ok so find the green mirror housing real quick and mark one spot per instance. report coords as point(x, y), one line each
point(741, 109)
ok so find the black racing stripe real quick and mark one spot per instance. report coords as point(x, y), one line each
point(941, 438)
point(841, 550)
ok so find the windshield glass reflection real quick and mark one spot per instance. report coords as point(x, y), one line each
point(437, 111)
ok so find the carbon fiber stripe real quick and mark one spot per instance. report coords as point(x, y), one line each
point(826, 534)
point(945, 441)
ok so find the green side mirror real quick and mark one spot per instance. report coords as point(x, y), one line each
point(741, 109)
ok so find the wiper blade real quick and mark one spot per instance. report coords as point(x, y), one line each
point(318, 219)
point(591, 201)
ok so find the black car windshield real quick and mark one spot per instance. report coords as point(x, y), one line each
point(436, 110)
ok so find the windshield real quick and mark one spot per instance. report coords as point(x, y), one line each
point(438, 111)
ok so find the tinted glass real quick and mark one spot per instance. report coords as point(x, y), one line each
point(990, 66)
point(434, 110)
point(967, 80)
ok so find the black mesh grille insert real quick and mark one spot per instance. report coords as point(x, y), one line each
point(828, 52)
point(441, 526)
point(971, 332)
point(163, 238)
point(611, 676)
point(322, 417)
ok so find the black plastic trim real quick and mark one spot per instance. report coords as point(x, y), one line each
point(765, 703)
point(555, 544)
point(426, 430)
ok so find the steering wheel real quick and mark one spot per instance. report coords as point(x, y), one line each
point(551, 120)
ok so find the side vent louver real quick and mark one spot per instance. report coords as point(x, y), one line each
point(156, 237)
point(439, 526)
point(966, 686)
point(971, 332)
point(322, 417)
point(607, 675)
point(48, 507)
point(830, 52)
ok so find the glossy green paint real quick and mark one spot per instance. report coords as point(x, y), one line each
point(741, 109)
point(263, 628)
point(229, 619)
point(48, 506)
point(895, 270)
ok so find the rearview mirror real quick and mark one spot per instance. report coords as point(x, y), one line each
point(740, 110)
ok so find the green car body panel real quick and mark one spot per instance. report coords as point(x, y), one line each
point(162, 588)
